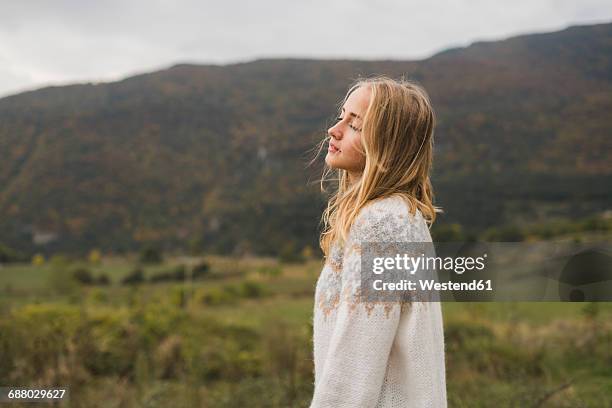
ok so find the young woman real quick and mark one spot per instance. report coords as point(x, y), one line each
point(377, 354)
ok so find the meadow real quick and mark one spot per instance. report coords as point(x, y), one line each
point(239, 334)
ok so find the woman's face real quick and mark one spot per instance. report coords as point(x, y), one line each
point(345, 136)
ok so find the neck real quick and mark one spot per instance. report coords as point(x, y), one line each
point(353, 177)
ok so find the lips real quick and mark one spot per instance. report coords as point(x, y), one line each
point(332, 148)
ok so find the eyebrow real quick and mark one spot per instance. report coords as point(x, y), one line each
point(352, 114)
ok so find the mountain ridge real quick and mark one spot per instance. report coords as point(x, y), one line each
point(217, 153)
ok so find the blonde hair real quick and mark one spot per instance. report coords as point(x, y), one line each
point(397, 141)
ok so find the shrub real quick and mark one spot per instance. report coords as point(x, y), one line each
point(62, 282)
point(448, 232)
point(83, 276)
point(133, 278)
point(508, 233)
point(103, 280)
point(176, 274)
point(38, 259)
point(151, 255)
point(99, 295)
point(39, 334)
point(94, 256)
point(250, 289)
point(218, 296)
point(8, 255)
point(169, 359)
point(178, 296)
point(271, 271)
point(307, 252)
point(290, 254)
point(596, 223)
point(108, 344)
point(200, 270)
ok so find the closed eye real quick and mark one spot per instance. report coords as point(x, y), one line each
point(338, 119)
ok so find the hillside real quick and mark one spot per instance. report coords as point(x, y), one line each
point(217, 155)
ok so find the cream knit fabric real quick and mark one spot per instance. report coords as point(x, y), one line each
point(375, 354)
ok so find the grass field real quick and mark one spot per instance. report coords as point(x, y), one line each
point(241, 336)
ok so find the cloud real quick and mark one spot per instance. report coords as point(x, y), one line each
point(71, 41)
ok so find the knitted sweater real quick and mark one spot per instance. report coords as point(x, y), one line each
point(375, 354)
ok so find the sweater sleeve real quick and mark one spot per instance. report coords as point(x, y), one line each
point(356, 361)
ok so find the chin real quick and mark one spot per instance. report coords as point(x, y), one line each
point(330, 162)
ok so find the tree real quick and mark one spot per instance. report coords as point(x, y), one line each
point(95, 256)
point(133, 278)
point(8, 255)
point(83, 276)
point(151, 254)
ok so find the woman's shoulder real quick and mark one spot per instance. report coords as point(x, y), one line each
point(390, 219)
point(388, 206)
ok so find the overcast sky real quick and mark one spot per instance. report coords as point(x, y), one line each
point(46, 42)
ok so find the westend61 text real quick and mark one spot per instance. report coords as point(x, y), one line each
point(431, 284)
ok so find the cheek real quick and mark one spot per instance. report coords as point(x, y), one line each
point(353, 150)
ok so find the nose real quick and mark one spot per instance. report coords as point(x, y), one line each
point(334, 131)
